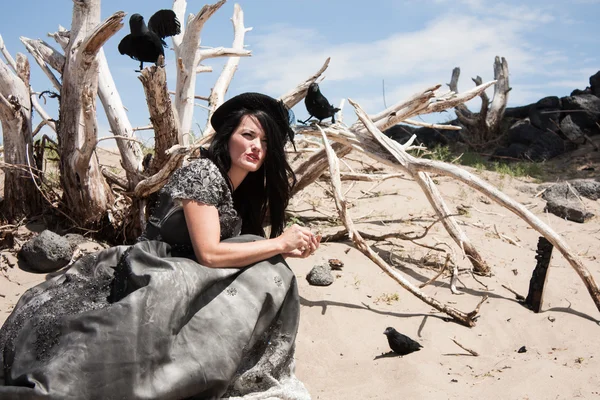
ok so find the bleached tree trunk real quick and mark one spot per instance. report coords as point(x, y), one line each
point(484, 127)
point(21, 197)
point(189, 57)
point(501, 89)
point(131, 152)
point(217, 95)
point(187, 53)
point(85, 191)
point(164, 121)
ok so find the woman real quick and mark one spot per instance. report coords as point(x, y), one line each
point(178, 315)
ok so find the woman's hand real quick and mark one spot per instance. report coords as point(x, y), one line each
point(299, 242)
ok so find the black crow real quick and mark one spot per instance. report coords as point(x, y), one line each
point(317, 105)
point(399, 343)
point(145, 43)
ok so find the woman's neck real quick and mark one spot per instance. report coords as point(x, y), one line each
point(236, 176)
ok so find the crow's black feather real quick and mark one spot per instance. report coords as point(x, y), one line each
point(145, 43)
point(317, 105)
point(164, 23)
point(399, 343)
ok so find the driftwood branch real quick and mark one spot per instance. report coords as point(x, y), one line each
point(358, 138)
point(296, 95)
point(188, 58)
point(87, 63)
point(9, 60)
point(223, 52)
point(156, 182)
point(482, 128)
point(162, 115)
point(453, 85)
point(120, 126)
point(34, 102)
point(501, 89)
point(472, 352)
point(39, 59)
point(50, 55)
point(217, 95)
point(458, 316)
point(416, 165)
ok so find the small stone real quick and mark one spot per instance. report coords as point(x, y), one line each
point(523, 349)
point(335, 264)
point(320, 275)
point(47, 252)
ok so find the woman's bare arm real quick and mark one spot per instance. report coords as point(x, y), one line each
point(205, 231)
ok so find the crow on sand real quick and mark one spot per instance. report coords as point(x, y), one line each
point(399, 343)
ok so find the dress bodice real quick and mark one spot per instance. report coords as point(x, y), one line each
point(201, 181)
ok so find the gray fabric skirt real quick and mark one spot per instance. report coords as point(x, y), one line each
point(134, 322)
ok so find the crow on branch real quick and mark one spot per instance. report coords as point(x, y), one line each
point(145, 43)
point(317, 105)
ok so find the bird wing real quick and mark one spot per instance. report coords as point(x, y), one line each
point(125, 47)
point(164, 23)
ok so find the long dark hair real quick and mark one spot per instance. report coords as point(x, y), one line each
point(266, 191)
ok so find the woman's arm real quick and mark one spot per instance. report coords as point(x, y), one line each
point(204, 227)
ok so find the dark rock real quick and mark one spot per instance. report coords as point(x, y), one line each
point(550, 102)
point(545, 114)
point(587, 188)
point(562, 202)
point(584, 111)
point(514, 150)
point(47, 252)
point(75, 239)
point(595, 84)
point(320, 275)
point(522, 349)
point(571, 130)
point(528, 189)
point(523, 132)
point(400, 133)
point(545, 147)
point(429, 137)
point(517, 112)
point(578, 92)
point(528, 142)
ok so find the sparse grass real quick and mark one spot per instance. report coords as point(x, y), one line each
point(147, 149)
point(387, 298)
point(294, 220)
point(475, 160)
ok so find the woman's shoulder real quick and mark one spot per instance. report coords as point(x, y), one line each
point(199, 180)
point(201, 167)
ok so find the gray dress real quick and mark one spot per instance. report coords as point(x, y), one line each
point(140, 322)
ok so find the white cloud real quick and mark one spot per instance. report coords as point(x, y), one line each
point(411, 61)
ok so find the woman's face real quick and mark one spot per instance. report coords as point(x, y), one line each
point(248, 145)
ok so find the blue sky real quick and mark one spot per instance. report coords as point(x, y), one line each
point(551, 47)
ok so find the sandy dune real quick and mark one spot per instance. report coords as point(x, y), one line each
point(341, 342)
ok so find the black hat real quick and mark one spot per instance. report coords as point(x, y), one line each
point(254, 102)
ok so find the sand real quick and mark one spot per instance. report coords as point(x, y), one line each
point(341, 349)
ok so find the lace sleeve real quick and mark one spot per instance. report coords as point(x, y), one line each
point(200, 181)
